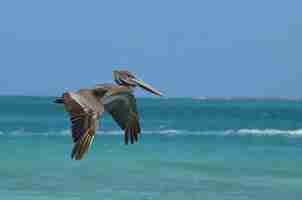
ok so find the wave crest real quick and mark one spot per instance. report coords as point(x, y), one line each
point(168, 132)
point(270, 132)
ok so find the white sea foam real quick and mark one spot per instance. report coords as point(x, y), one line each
point(270, 132)
point(168, 132)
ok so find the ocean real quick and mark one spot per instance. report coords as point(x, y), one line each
point(189, 149)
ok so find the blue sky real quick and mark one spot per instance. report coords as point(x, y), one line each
point(184, 48)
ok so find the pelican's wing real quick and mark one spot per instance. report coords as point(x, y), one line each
point(83, 122)
point(121, 104)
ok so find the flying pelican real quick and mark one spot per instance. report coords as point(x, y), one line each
point(87, 105)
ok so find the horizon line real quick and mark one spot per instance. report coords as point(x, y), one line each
point(187, 97)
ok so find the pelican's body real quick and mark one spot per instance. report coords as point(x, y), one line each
point(87, 105)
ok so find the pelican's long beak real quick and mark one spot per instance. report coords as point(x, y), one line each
point(147, 87)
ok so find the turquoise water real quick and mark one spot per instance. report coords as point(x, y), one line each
point(190, 149)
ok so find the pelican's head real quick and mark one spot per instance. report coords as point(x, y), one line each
point(124, 77)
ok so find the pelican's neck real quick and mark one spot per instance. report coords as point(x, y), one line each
point(129, 87)
point(124, 84)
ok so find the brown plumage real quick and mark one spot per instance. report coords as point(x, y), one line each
point(87, 105)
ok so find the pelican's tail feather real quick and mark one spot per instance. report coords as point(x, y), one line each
point(82, 146)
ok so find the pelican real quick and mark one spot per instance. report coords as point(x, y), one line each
point(86, 106)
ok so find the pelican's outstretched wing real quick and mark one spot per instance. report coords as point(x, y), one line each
point(121, 104)
point(83, 116)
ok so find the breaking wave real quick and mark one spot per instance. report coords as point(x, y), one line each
point(167, 132)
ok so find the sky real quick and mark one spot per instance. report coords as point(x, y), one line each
point(183, 48)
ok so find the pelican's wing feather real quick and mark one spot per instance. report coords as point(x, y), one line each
point(83, 119)
point(121, 104)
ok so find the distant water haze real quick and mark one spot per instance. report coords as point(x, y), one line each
point(247, 98)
